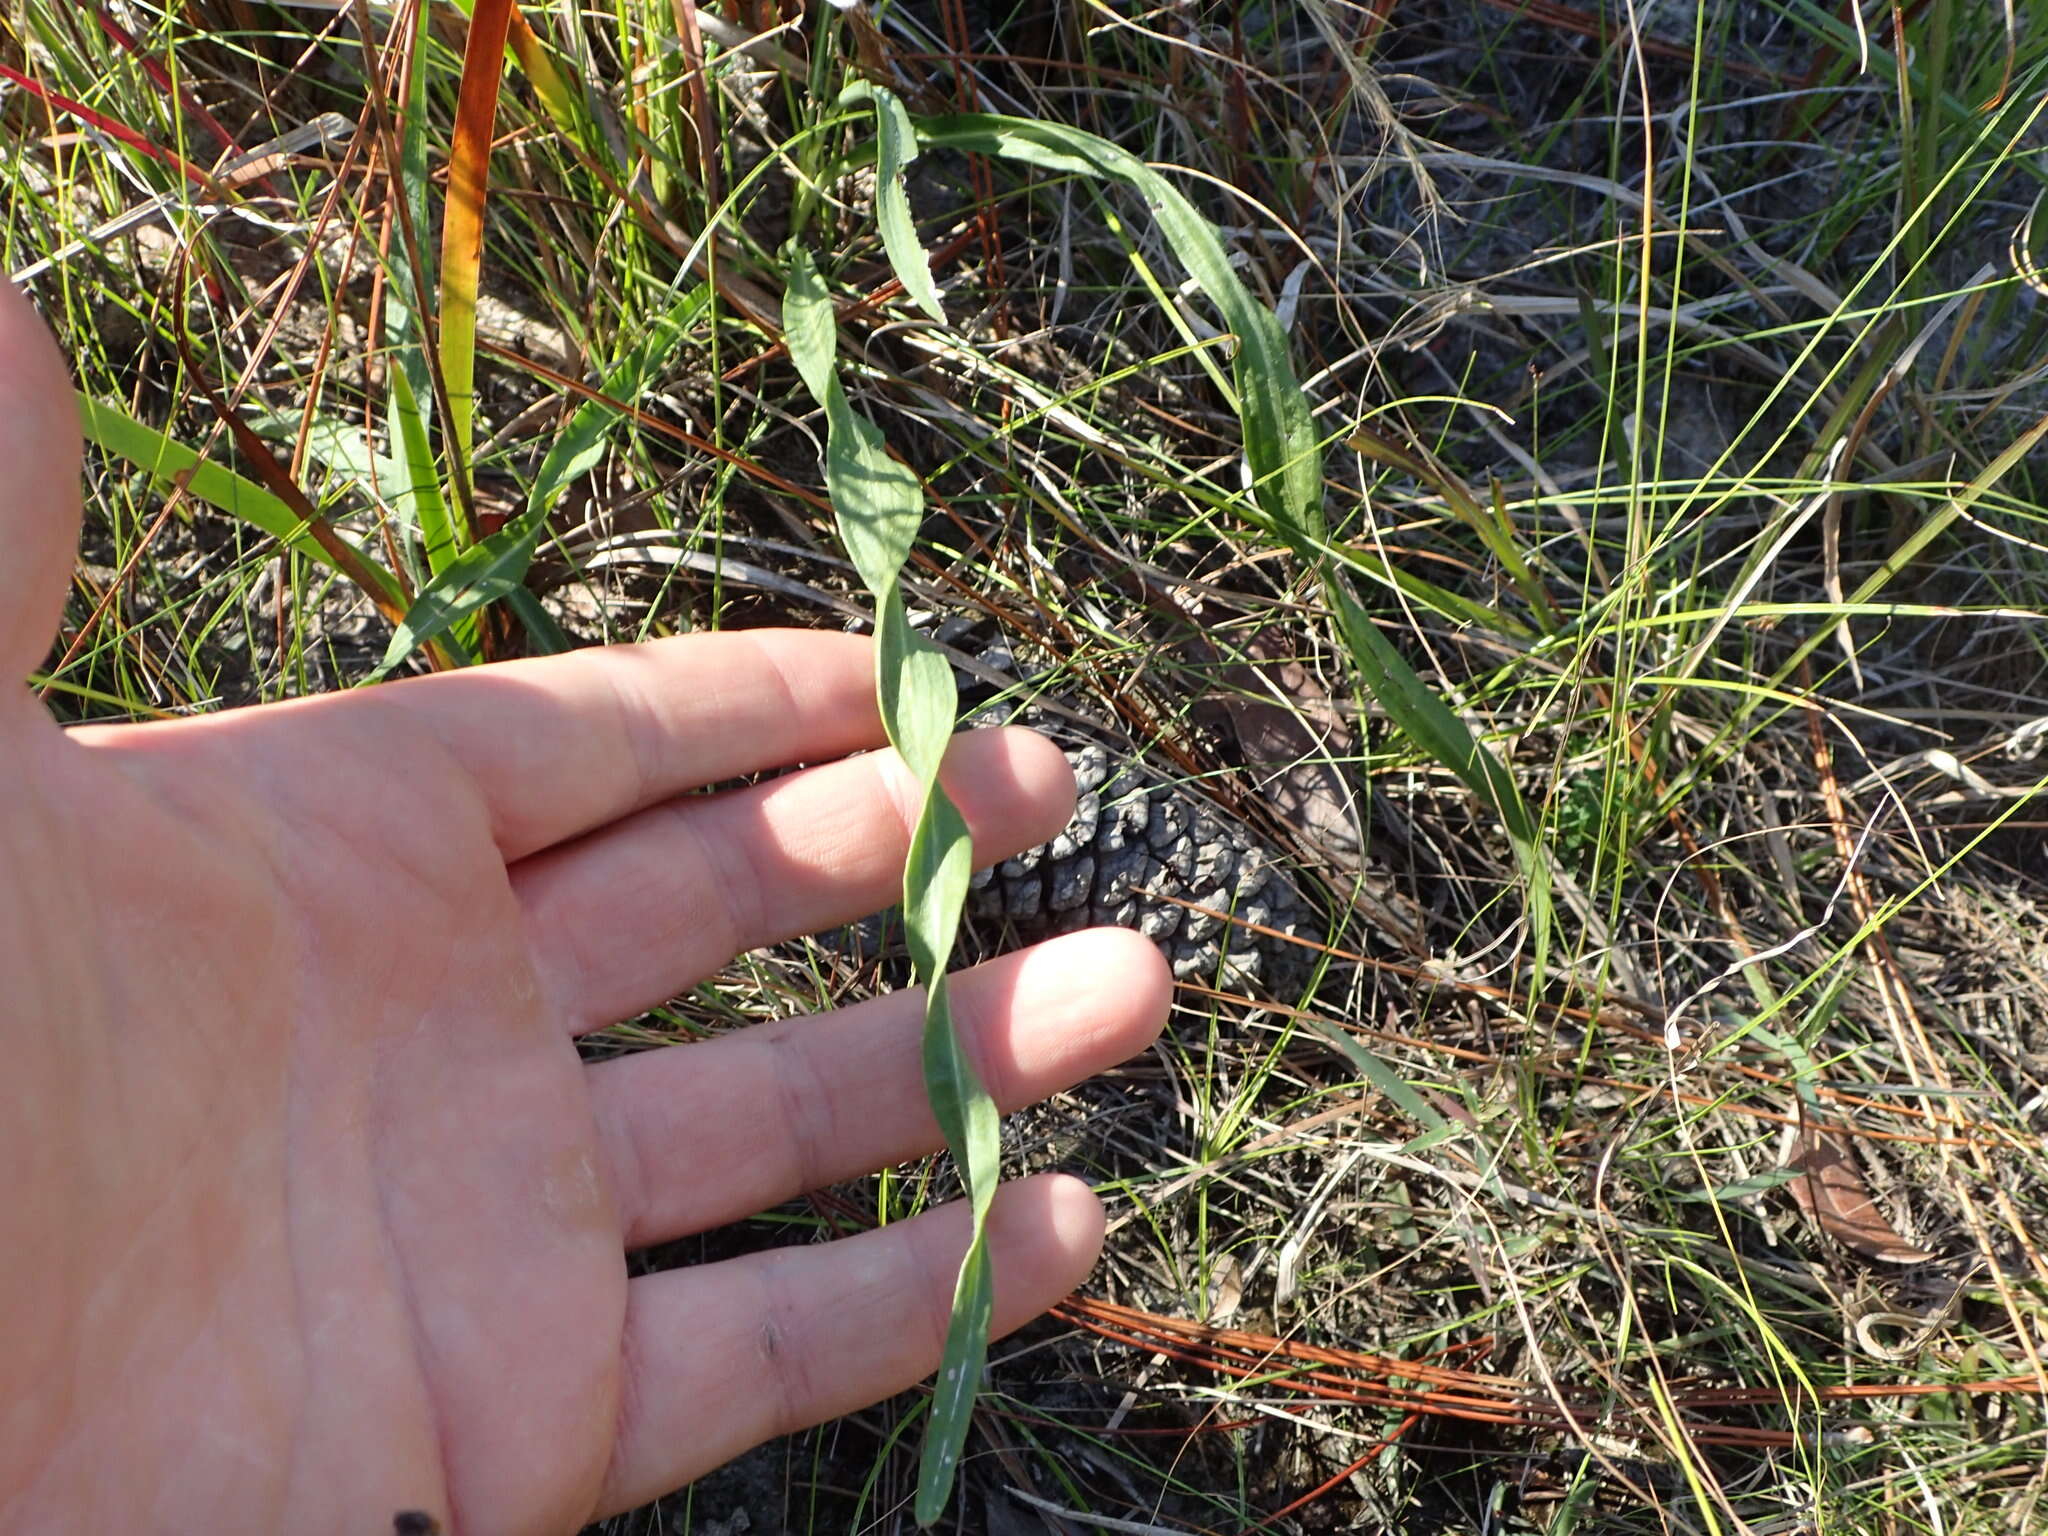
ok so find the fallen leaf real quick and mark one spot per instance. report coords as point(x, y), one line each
point(1291, 735)
point(1830, 1189)
point(1295, 741)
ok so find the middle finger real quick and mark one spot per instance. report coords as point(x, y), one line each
point(626, 918)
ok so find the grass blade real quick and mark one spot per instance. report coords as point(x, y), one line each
point(556, 98)
point(418, 498)
point(1380, 1075)
point(495, 568)
point(170, 463)
point(462, 228)
point(479, 576)
point(1284, 453)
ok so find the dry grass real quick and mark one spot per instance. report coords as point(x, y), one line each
point(1679, 368)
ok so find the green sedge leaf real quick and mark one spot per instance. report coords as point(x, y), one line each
point(495, 568)
point(338, 447)
point(1380, 1075)
point(167, 462)
point(1425, 719)
point(579, 446)
point(543, 635)
point(417, 497)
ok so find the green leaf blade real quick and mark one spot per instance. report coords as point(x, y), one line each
point(487, 571)
point(958, 1382)
point(879, 504)
point(170, 463)
point(896, 147)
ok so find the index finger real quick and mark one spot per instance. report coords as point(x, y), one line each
point(560, 745)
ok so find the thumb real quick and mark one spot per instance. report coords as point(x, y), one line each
point(39, 505)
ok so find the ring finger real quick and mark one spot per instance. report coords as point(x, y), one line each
point(803, 1103)
point(626, 918)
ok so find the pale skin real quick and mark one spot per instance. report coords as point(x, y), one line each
point(311, 1214)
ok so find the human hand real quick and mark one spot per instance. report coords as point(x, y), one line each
point(312, 1214)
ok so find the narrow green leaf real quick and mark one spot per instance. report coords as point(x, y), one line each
point(417, 498)
point(935, 878)
point(959, 1380)
point(896, 147)
point(544, 636)
point(879, 502)
point(808, 327)
point(168, 463)
point(1284, 453)
point(579, 446)
point(483, 573)
point(335, 445)
point(1379, 1074)
point(1280, 440)
point(1425, 719)
point(495, 568)
point(919, 698)
point(1740, 1189)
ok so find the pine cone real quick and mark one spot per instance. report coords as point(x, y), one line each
point(1140, 853)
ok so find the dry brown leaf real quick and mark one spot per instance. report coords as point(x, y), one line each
point(1830, 1189)
point(1290, 745)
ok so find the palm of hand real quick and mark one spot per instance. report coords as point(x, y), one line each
point(319, 1216)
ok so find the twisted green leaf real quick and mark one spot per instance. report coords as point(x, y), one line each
point(878, 504)
point(877, 501)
